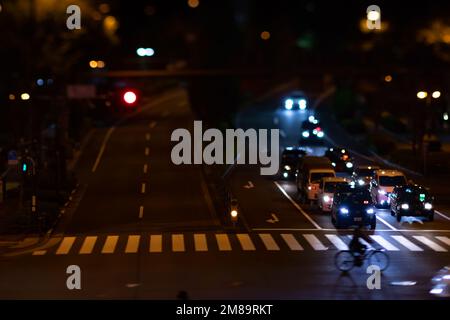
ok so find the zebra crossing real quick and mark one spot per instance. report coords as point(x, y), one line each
point(240, 242)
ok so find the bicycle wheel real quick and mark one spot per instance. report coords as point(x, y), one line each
point(380, 259)
point(344, 260)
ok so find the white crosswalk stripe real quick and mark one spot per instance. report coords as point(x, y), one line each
point(223, 242)
point(66, 245)
point(291, 242)
point(200, 242)
point(132, 244)
point(178, 243)
point(88, 245)
point(156, 243)
point(434, 246)
point(337, 242)
point(445, 240)
point(384, 243)
point(315, 242)
point(248, 242)
point(269, 242)
point(110, 244)
point(406, 243)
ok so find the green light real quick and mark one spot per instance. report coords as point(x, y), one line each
point(422, 197)
point(24, 167)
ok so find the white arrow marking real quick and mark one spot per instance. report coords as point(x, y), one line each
point(273, 219)
point(249, 185)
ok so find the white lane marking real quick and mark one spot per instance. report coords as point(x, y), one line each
point(200, 242)
point(386, 223)
point(156, 243)
point(442, 215)
point(406, 243)
point(65, 245)
point(110, 244)
point(249, 185)
point(141, 212)
point(314, 242)
point(223, 242)
point(111, 130)
point(143, 187)
point(147, 136)
point(39, 252)
point(88, 245)
point(132, 244)
point(246, 242)
point(384, 243)
point(430, 244)
point(291, 242)
point(274, 219)
point(445, 240)
point(147, 151)
point(269, 242)
point(145, 168)
point(102, 148)
point(297, 206)
point(178, 243)
point(337, 242)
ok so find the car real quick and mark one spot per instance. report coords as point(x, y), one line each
point(441, 283)
point(363, 174)
point(295, 101)
point(327, 188)
point(353, 206)
point(383, 183)
point(290, 158)
point(340, 159)
point(310, 171)
point(411, 200)
point(311, 131)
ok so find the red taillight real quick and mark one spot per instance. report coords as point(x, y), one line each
point(319, 129)
point(129, 97)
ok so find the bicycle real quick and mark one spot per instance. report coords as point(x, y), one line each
point(345, 260)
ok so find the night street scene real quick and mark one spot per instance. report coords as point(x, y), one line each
point(200, 150)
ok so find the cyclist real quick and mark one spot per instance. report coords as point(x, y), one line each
point(355, 246)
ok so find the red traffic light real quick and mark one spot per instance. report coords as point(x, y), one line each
point(129, 97)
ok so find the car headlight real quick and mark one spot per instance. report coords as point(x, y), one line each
point(234, 213)
point(428, 206)
point(381, 191)
point(370, 211)
point(288, 104)
point(288, 168)
point(349, 165)
point(285, 174)
point(333, 164)
point(344, 210)
point(320, 134)
point(361, 182)
point(309, 187)
point(405, 206)
point(326, 198)
point(302, 104)
point(305, 134)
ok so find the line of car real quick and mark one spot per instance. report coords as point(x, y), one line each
point(352, 199)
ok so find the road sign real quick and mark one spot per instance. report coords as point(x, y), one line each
point(81, 91)
point(12, 158)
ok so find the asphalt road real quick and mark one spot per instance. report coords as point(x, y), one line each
point(285, 251)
